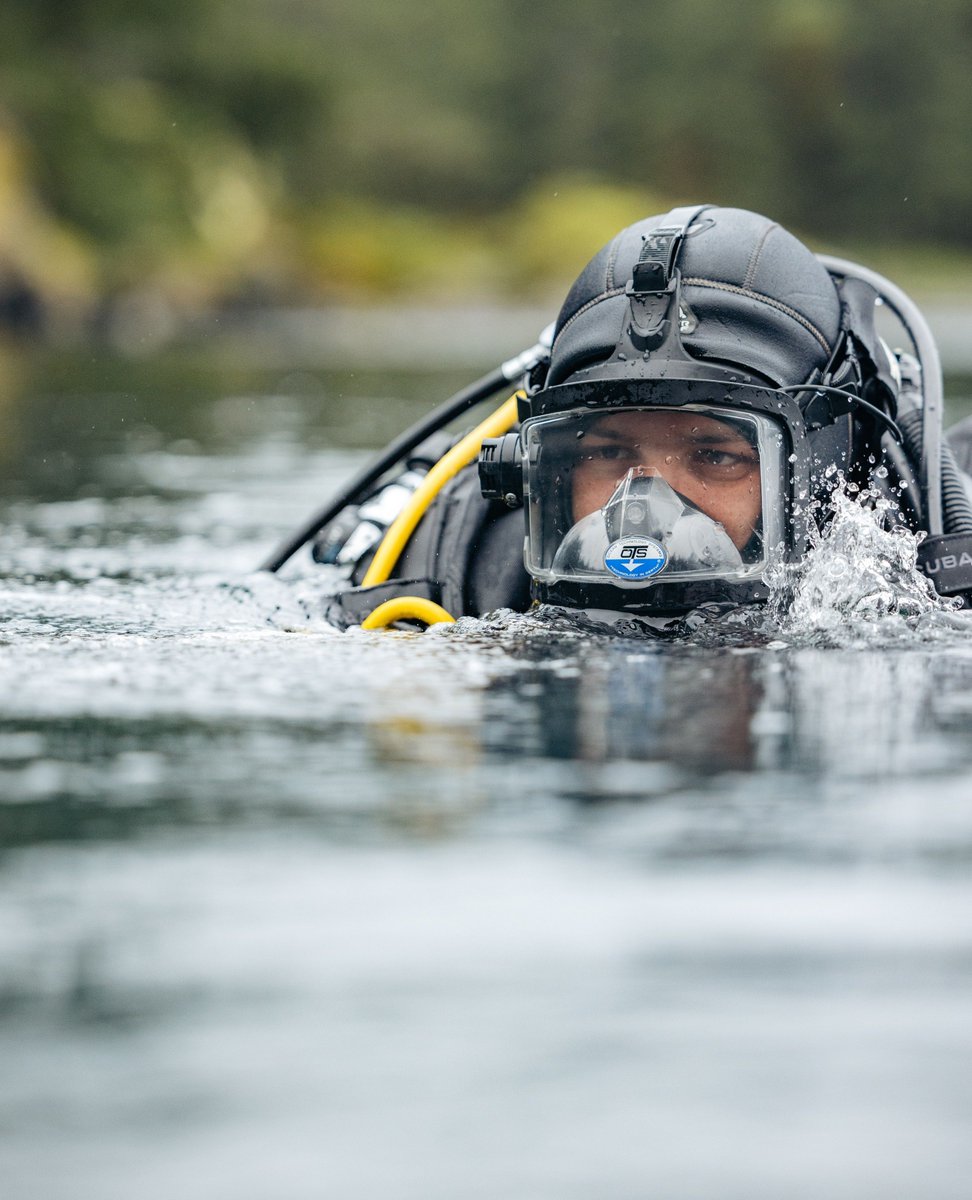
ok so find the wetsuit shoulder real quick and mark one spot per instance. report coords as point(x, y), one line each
point(473, 547)
point(466, 554)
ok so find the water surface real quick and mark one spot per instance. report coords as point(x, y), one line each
point(503, 909)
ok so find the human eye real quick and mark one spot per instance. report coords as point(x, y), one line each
point(608, 453)
point(718, 458)
point(718, 462)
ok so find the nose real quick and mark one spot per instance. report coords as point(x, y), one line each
point(674, 471)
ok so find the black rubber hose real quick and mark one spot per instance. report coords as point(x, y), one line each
point(359, 484)
point(956, 505)
point(513, 369)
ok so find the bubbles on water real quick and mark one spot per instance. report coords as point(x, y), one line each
point(860, 572)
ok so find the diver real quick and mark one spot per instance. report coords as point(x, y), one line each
point(679, 431)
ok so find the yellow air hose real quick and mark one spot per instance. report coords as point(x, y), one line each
point(407, 608)
point(404, 608)
point(462, 453)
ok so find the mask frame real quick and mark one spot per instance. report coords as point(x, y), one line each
point(643, 501)
point(657, 595)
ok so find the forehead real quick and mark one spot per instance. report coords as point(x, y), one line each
point(666, 425)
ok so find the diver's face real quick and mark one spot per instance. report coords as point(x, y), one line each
point(707, 460)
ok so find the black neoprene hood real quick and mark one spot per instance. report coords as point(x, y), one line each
point(753, 296)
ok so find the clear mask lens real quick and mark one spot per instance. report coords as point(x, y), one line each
point(638, 496)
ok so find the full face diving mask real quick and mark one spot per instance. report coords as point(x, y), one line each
point(649, 498)
point(653, 496)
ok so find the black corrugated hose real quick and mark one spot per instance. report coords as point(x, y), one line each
point(956, 505)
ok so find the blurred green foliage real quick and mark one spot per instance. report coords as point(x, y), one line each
point(211, 150)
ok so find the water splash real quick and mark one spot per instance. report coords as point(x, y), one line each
point(861, 570)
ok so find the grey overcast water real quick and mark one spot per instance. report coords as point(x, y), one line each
point(501, 910)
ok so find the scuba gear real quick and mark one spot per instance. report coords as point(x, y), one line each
point(407, 608)
point(464, 452)
point(643, 528)
point(356, 533)
point(945, 554)
point(717, 432)
point(711, 311)
point(709, 382)
point(362, 483)
point(717, 474)
point(466, 555)
point(697, 481)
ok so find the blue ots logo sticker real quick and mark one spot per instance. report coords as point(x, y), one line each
point(635, 557)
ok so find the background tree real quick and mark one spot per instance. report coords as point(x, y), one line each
point(301, 147)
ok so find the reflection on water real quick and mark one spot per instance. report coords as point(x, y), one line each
point(691, 712)
point(871, 714)
point(507, 909)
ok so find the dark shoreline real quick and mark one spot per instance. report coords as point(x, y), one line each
point(408, 334)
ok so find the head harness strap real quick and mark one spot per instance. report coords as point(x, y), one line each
point(653, 270)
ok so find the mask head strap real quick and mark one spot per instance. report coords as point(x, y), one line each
point(655, 312)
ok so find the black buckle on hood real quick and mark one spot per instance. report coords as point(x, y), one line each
point(653, 290)
point(656, 263)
